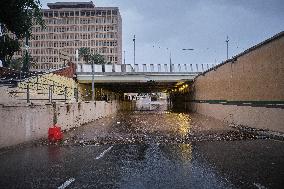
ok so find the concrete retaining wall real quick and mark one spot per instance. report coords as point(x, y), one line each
point(255, 117)
point(246, 90)
point(24, 123)
point(255, 75)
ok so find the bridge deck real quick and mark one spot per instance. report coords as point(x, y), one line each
point(86, 77)
point(125, 78)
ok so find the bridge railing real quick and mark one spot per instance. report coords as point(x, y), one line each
point(145, 68)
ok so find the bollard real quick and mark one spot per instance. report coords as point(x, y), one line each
point(50, 93)
point(28, 93)
point(65, 94)
point(55, 133)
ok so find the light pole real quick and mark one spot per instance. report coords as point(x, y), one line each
point(170, 56)
point(25, 67)
point(93, 81)
point(134, 39)
point(227, 41)
point(77, 59)
point(189, 49)
point(124, 57)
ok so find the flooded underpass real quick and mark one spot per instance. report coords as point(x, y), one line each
point(148, 149)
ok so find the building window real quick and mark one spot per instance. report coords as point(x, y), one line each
point(98, 13)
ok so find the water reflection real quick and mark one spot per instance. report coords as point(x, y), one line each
point(183, 121)
point(178, 152)
point(54, 153)
point(151, 149)
point(186, 151)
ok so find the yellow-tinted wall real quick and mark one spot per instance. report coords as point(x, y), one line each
point(255, 76)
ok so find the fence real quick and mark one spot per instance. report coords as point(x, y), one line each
point(51, 92)
point(37, 86)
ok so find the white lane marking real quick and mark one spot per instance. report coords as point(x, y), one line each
point(104, 152)
point(259, 186)
point(66, 183)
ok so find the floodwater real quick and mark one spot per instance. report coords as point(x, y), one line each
point(147, 149)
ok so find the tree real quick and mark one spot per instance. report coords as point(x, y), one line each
point(17, 17)
point(16, 64)
point(7, 48)
point(85, 53)
point(90, 58)
point(97, 59)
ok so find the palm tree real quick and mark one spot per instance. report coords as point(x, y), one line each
point(84, 52)
point(97, 59)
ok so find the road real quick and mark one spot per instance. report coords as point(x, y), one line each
point(147, 149)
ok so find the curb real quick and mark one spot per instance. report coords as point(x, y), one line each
point(261, 133)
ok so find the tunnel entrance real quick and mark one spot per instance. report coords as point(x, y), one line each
point(144, 96)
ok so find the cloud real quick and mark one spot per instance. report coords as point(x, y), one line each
point(202, 25)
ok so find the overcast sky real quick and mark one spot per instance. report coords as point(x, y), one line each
point(202, 25)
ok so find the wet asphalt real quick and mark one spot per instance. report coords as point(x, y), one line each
point(147, 149)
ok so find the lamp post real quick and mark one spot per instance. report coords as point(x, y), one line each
point(25, 67)
point(227, 41)
point(170, 56)
point(77, 59)
point(124, 57)
point(189, 49)
point(93, 81)
point(134, 40)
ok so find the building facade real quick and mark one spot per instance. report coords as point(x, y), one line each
point(70, 26)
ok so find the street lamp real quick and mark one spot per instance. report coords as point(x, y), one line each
point(77, 58)
point(190, 49)
point(93, 80)
point(124, 57)
point(171, 69)
point(134, 43)
point(25, 67)
point(227, 41)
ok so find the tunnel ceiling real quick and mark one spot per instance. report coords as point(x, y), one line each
point(145, 87)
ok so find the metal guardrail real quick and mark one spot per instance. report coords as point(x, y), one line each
point(50, 93)
point(12, 79)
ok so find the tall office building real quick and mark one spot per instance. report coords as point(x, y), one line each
point(72, 25)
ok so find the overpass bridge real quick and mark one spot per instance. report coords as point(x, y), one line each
point(141, 77)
